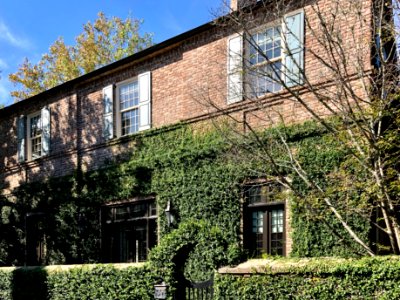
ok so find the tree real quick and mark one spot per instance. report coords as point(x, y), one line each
point(102, 42)
point(338, 87)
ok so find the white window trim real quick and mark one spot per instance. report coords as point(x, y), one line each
point(232, 96)
point(246, 55)
point(118, 111)
point(28, 135)
point(248, 89)
point(301, 39)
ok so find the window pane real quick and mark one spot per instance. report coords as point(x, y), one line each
point(152, 209)
point(36, 126)
point(258, 232)
point(258, 222)
point(35, 134)
point(140, 243)
point(125, 246)
point(130, 233)
point(253, 194)
point(138, 210)
point(130, 121)
point(36, 147)
point(121, 213)
point(266, 79)
point(277, 232)
point(265, 75)
point(277, 221)
point(263, 193)
point(265, 45)
point(129, 95)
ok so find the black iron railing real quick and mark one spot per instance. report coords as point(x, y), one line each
point(200, 290)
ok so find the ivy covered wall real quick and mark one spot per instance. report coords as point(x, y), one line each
point(199, 172)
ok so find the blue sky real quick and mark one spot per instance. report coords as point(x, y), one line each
point(28, 28)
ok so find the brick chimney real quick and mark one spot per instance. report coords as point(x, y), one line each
point(237, 4)
point(234, 5)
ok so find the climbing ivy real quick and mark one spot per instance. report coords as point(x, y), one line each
point(201, 174)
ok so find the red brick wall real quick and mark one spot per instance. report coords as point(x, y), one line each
point(184, 77)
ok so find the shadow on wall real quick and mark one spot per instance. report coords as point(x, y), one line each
point(7, 149)
point(44, 220)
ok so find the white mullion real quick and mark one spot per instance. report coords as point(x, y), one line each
point(129, 108)
point(283, 49)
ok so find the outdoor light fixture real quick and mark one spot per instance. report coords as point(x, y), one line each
point(160, 290)
point(169, 214)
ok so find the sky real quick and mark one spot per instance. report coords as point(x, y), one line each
point(29, 27)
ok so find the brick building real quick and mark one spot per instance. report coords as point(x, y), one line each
point(89, 121)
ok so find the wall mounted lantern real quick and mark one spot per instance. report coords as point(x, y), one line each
point(169, 214)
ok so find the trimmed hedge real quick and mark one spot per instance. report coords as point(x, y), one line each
point(80, 282)
point(330, 279)
point(6, 283)
point(318, 278)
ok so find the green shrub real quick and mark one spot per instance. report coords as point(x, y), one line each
point(80, 282)
point(6, 284)
point(201, 175)
point(368, 278)
point(102, 282)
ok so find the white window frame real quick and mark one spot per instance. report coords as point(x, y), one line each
point(119, 112)
point(284, 50)
point(250, 90)
point(29, 138)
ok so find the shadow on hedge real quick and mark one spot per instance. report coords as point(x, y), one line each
point(29, 283)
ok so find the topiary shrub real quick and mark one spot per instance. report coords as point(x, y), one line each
point(195, 248)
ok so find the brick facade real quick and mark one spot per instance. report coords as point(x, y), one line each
point(186, 73)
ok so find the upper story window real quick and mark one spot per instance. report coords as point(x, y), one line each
point(265, 61)
point(264, 219)
point(128, 99)
point(132, 102)
point(33, 133)
point(274, 58)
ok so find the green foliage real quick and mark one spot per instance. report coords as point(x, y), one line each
point(80, 282)
point(102, 282)
point(318, 278)
point(102, 42)
point(375, 278)
point(205, 247)
point(201, 175)
point(6, 284)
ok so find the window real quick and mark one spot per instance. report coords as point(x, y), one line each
point(264, 220)
point(132, 104)
point(274, 55)
point(265, 61)
point(35, 136)
point(128, 101)
point(129, 231)
point(35, 130)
